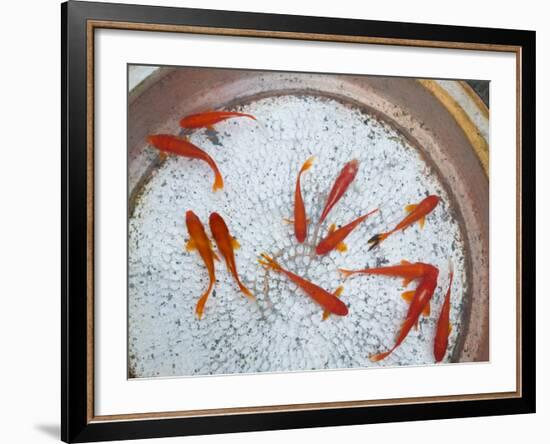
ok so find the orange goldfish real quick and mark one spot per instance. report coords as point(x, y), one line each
point(443, 325)
point(409, 272)
point(166, 143)
point(226, 246)
point(325, 299)
point(341, 184)
point(335, 238)
point(198, 240)
point(417, 213)
point(419, 302)
point(210, 118)
point(300, 220)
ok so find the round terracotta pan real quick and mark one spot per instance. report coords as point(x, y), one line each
point(425, 112)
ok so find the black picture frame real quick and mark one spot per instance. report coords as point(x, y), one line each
point(77, 424)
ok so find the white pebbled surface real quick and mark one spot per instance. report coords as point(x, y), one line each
point(283, 331)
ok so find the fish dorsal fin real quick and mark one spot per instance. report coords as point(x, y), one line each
point(422, 221)
point(332, 228)
point(342, 247)
point(427, 310)
point(405, 262)
point(190, 245)
point(235, 243)
point(450, 328)
point(410, 208)
point(408, 295)
point(416, 325)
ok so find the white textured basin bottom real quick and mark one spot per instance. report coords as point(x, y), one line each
point(284, 330)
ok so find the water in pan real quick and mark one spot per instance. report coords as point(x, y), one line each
point(284, 330)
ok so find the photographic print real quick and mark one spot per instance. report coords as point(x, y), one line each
point(287, 221)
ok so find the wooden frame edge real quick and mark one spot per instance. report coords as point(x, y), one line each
point(70, 423)
point(236, 32)
point(481, 149)
point(284, 408)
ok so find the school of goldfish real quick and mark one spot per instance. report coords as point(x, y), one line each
point(425, 275)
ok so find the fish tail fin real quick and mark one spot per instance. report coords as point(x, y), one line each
point(246, 292)
point(199, 309)
point(346, 273)
point(380, 356)
point(375, 240)
point(218, 181)
point(307, 164)
point(370, 213)
point(269, 262)
point(238, 114)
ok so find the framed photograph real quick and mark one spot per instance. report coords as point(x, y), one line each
point(276, 221)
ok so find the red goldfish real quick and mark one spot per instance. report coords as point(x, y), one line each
point(341, 184)
point(417, 213)
point(409, 272)
point(325, 299)
point(172, 144)
point(198, 240)
point(300, 220)
point(226, 246)
point(335, 238)
point(419, 302)
point(443, 325)
point(210, 118)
